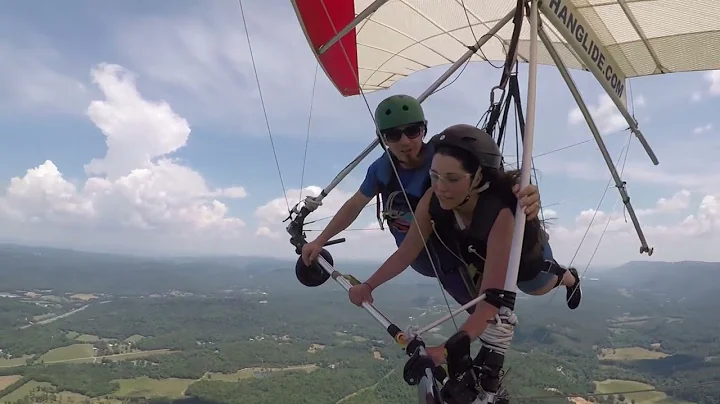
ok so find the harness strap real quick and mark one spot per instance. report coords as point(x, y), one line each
point(393, 189)
point(487, 210)
point(378, 210)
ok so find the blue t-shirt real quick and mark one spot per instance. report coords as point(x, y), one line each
point(416, 183)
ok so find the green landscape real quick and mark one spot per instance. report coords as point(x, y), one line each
point(97, 328)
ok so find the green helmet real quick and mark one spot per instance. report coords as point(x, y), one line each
point(398, 110)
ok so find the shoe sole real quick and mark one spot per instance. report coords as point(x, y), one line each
point(576, 290)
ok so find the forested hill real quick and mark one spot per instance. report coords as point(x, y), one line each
point(38, 268)
point(75, 271)
point(79, 327)
point(686, 278)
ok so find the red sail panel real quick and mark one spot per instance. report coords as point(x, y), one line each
point(320, 22)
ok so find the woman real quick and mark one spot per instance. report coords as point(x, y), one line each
point(470, 207)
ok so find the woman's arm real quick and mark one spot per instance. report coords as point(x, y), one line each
point(410, 248)
point(494, 273)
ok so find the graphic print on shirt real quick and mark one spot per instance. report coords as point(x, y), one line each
point(399, 214)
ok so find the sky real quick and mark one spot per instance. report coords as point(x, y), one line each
point(138, 127)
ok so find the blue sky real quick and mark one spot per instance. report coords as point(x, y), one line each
point(162, 99)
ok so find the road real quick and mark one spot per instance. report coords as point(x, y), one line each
point(51, 319)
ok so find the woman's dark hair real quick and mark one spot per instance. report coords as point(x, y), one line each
point(501, 185)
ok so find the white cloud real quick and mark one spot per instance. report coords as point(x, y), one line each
point(686, 162)
point(198, 61)
point(702, 129)
point(549, 214)
point(673, 237)
point(714, 78)
point(137, 131)
point(271, 214)
point(364, 238)
point(692, 235)
point(605, 114)
point(30, 80)
point(679, 201)
point(144, 190)
point(43, 194)
point(201, 61)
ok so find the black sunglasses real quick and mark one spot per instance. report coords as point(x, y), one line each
point(411, 132)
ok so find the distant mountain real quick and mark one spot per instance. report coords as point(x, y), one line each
point(23, 267)
point(78, 271)
point(672, 280)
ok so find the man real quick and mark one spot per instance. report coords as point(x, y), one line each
point(402, 124)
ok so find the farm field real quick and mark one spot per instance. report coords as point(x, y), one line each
point(147, 387)
point(649, 397)
point(75, 352)
point(629, 354)
point(249, 373)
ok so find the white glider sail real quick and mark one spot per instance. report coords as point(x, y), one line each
point(627, 38)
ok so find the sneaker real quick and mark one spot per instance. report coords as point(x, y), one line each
point(574, 293)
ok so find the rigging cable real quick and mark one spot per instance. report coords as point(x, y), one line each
point(370, 205)
point(307, 135)
point(592, 219)
point(392, 164)
point(262, 102)
point(543, 154)
point(617, 199)
point(577, 144)
point(467, 62)
point(512, 165)
point(472, 31)
point(625, 149)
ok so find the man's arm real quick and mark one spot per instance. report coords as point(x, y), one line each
point(344, 217)
point(352, 207)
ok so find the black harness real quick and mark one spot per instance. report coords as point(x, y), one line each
point(471, 244)
point(392, 189)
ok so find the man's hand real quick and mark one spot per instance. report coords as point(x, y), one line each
point(310, 252)
point(529, 198)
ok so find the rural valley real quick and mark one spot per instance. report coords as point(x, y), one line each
point(93, 328)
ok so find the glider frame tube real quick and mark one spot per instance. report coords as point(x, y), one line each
point(594, 65)
point(430, 90)
point(619, 183)
point(427, 390)
point(337, 276)
point(357, 20)
point(519, 230)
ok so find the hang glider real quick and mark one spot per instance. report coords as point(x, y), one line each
point(365, 46)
